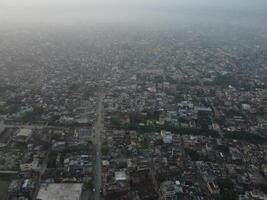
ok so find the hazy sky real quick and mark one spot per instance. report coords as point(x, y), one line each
point(157, 12)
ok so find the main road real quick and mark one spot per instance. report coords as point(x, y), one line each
point(98, 129)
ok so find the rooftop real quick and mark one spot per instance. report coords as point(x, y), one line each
point(24, 132)
point(60, 191)
point(120, 176)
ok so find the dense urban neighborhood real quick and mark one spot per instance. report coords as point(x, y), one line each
point(152, 116)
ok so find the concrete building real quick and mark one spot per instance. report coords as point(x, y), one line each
point(23, 135)
point(168, 191)
point(59, 191)
point(166, 136)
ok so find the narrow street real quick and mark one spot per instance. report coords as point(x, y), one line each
point(99, 126)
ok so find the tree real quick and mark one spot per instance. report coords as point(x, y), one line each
point(115, 121)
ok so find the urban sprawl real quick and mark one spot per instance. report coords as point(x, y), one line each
point(166, 116)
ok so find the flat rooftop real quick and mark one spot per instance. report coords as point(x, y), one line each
point(24, 132)
point(60, 191)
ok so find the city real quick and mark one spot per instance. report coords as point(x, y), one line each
point(126, 113)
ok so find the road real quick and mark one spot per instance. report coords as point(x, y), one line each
point(33, 126)
point(98, 129)
point(153, 175)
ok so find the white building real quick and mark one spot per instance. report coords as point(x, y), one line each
point(60, 191)
point(166, 137)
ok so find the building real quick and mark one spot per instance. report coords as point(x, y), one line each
point(23, 135)
point(166, 137)
point(59, 191)
point(168, 191)
point(34, 165)
point(120, 176)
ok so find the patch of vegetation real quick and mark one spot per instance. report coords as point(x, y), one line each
point(246, 137)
